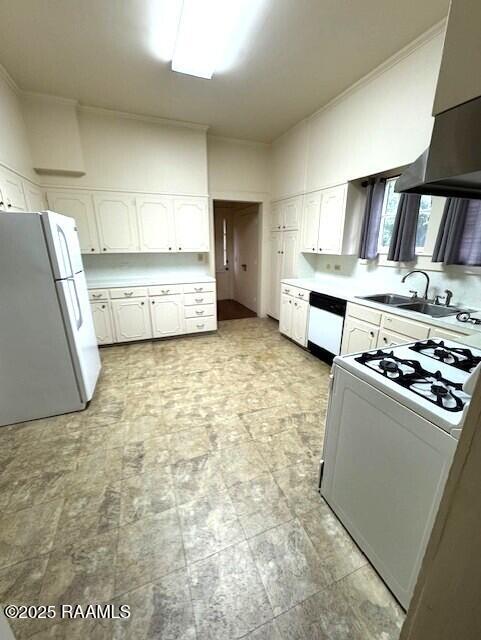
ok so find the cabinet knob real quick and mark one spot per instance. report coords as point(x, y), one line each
point(103, 306)
point(2, 204)
point(320, 248)
point(283, 226)
point(92, 249)
point(142, 303)
point(9, 205)
point(104, 249)
point(170, 248)
point(153, 301)
point(313, 248)
point(371, 333)
point(180, 248)
point(385, 340)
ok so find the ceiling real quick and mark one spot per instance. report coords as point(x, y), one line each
point(301, 54)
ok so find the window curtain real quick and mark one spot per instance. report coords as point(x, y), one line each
point(372, 219)
point(459, 235)
point(403, 240)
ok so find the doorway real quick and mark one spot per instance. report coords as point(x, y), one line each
point(236, 233)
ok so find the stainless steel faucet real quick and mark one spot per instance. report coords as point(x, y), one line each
point(425, 297)
point(446, 298)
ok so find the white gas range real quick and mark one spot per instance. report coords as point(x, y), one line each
point(391, 432)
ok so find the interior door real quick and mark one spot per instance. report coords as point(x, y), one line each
point(191, 220)
point(223, 253)
point(276, 242)
point(80, 207)
point(245, 258)
point(74, 302)
point(310, 223)
point(155, 215)
point(331, 223)
point(117, 223)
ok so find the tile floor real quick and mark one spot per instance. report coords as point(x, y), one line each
point(187, 490)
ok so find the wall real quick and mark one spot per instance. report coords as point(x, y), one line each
point(139, 154)
point(382, 122)
point(14, 146)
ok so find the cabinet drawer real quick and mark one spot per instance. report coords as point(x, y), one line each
point(196, 325)
point(131, 292)
point(388, 339)
point(295, 292)
point(199, 311)
point(408, 328)
point(445, 334)
point(199, 287)
point(364, 313)
point(98, 294)
point(165, 289)
point(199, 298)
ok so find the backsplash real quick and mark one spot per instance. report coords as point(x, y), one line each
point(466, 287)
point(134, 266)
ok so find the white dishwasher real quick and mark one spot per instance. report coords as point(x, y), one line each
point(326, 322)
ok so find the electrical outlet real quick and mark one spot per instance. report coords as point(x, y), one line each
point(200, 257)
point(328, 265)
point(337, 267)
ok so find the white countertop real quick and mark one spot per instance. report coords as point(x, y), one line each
point(351, 295)
point(112, 283)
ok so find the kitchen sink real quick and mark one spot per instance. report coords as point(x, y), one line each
point(433, 310)
point(387, 298)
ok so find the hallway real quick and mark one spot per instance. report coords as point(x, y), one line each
point(233, 310)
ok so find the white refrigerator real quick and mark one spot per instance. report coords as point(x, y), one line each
point(49, 359)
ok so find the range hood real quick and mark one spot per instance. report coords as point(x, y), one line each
point(451, 165)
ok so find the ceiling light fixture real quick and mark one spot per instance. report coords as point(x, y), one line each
point(211, 34)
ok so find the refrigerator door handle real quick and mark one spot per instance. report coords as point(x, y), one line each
point(79, 320)
point(63, 243)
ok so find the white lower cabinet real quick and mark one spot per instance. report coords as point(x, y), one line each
point(102, 317)
point(167, 316)
point(293, 319)
point(132, 319)
point(358, 336)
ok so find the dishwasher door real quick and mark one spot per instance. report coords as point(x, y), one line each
point(326, 322)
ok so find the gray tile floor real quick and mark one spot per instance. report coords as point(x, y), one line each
point(188, 490)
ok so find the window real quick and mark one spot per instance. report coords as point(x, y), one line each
point(388, 215)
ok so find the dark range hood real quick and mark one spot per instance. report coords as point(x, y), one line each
point(451, 165)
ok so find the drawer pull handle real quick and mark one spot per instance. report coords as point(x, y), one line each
point(198, 289)
point(199, 300)
point(200, 326)
point(199, 313)
point(164, 291)
point(128, 293)
point(96, 295)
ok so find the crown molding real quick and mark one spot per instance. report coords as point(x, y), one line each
point(113, 113)
point(9, 80)
point(47, 97)
point(378, 71)
point(241, 142)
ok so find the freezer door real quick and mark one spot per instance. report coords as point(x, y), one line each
point(63, 244)
point(74, 302)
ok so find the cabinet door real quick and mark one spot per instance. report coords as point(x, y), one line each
point(12, 192)
point(300, 313)
point(131, 319)
point(331, 222)
point(358, 336)
point(289, 254)
point(78, 205)
point(103, 322)
point(310, 223)
point(117, 223)
point(276, 216)
point(34, 197)
point(292, 213)
point(155, 216)
point(167, 316)
point(285, 315)
point(191, 222)
point(275, 244)
point(388, 339)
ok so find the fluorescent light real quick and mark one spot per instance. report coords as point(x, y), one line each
point(163, 20)
point(211, 34)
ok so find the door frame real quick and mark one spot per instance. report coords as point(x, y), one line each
point(263, 200)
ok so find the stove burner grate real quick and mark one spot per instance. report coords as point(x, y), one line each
point(458, 357)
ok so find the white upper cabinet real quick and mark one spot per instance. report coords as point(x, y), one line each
point(310, 224)
point(167, 316)
point(78, 205)
point(34, 197)
point(191, 223)
point(332, 220)
point(276, 216)
point(117, 223)
point(13, 197)
point(286, 214)
point(289, 255)
point(155, 216)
